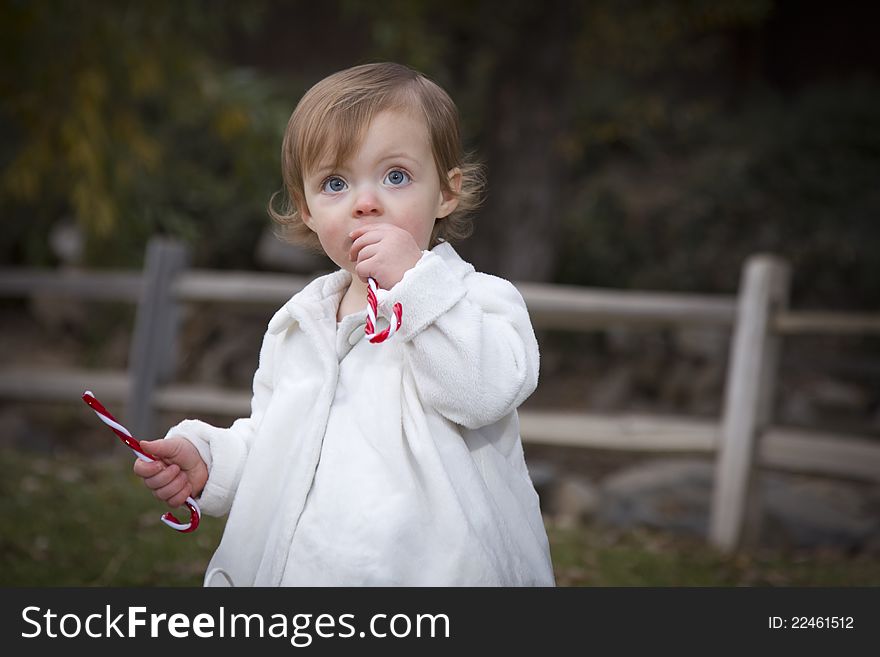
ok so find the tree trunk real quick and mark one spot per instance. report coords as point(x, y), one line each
point(517, 231)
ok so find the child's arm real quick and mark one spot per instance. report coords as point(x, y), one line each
point(468, 340)
point(223, 451)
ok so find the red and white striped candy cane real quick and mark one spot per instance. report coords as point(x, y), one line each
point(195, 513)
point(373, 292)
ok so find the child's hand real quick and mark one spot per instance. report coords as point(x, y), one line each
point(384, 252)
point(180, 472)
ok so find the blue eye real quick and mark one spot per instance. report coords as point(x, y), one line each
point(333, 185)
point(397, 177)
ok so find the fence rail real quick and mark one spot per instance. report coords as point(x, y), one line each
point(743, 438)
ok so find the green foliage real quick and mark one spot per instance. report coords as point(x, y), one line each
point(125, 117)
point(793, 176)
point(624, 58)
point(119, 115)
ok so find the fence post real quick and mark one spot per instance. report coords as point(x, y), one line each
point(153, 355)
point(748, 401)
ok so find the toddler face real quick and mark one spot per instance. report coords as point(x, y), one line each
point(391, 178)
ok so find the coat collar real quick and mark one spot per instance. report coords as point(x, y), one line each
point(320, 299)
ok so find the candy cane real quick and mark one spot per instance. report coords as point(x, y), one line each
point(125, 436)
point(373, 293)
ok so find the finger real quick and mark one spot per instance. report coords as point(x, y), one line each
point(170, 450)
point(163, 478)
point(367, 252)
point(359, 243)
point(363, 229)
point(147, 468)
point(174, 487)
point(159, 448)
point(366, 269)
point(180, 498)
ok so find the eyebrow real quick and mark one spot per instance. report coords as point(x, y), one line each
point(399, 156)
point(321, 171)
point(329, 168)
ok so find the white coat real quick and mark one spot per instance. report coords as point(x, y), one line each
point(423, 481)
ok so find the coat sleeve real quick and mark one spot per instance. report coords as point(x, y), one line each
point(468, 341)
point(225, 450)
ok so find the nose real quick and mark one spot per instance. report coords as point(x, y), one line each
point(366, 204)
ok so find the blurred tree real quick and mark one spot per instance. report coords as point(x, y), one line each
point(507, 66)
point(792, 176)
point(693, 158)
point(548, 88)
point(117, 115)
point(628, 143)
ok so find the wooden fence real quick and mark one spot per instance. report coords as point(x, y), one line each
point(743, 438)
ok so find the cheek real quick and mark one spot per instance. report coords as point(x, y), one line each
point(333, 238)
point(336, 243)
point(421, 210)
point(430, 210)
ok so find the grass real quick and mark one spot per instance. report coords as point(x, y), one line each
point(594, 556)
point(69, 520)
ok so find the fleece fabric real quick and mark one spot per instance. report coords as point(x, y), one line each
point(391, 464)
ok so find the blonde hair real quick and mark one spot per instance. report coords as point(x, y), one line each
point(331, 119)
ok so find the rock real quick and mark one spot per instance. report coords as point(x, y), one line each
point(669, 494)
point(810, 512)
point(575, 501)
point(797, 511)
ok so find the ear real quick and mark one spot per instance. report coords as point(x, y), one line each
point(449, 199)
point(306, 217)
